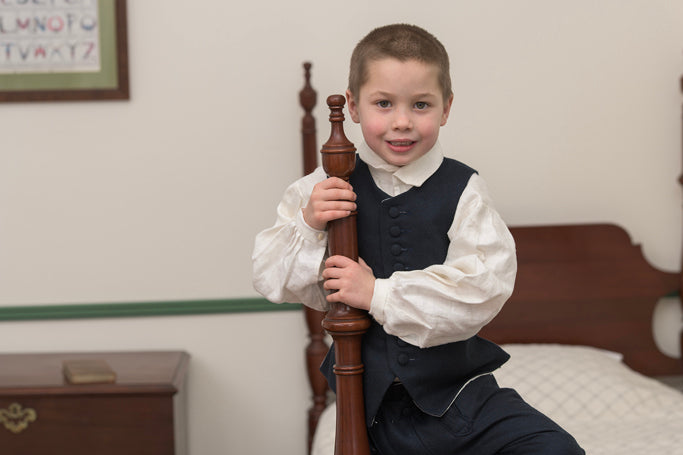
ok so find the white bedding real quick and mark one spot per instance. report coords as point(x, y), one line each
point(609, 408)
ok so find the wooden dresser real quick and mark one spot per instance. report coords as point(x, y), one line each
point(142, 412)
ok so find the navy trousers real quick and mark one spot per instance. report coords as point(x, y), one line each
point(484, 420)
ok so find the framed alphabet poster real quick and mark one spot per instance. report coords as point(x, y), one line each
point(58, 50)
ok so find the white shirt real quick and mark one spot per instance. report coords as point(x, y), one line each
point(440, 304)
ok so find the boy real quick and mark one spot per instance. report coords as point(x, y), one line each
point(436, 264)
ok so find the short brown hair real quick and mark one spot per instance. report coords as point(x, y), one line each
point(402, 42)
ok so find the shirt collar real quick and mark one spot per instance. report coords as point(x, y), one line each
point(413, 174)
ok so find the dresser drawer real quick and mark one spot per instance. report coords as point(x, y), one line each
point(100, 425)
point(139, 414)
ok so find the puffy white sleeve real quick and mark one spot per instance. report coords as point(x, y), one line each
point(287, 258)
point(452, 301)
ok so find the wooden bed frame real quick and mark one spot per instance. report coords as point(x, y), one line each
point(582, 284)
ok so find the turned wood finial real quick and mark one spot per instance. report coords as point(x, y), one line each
point(339, 160)
point(339, 154)
point(308, 98)
point(317, 347)
point(680, 180)
point(345, 324)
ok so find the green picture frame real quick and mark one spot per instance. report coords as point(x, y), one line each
point(109, 83)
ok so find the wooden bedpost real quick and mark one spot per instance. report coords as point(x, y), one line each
point(316, 348)
point(680, 180)
point(307, 99)
point(345, 324)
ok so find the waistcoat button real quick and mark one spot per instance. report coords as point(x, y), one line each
point(398, 266)
point(395, 231)
point(396, 249)
point(394, 212)
point(402, 359)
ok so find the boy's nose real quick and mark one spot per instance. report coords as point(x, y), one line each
point(402, 121)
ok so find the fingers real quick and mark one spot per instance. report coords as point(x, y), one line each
point(338, 261)
point(336, 270)
point(351, 282)
point(330, 199)
point(336, 189)
point(335, 182)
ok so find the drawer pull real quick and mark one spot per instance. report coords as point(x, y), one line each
point(17, 419)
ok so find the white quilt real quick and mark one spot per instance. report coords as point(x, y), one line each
point(606, 406)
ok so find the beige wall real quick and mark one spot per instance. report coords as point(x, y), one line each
point(570, 110)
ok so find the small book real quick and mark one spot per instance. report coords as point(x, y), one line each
point(91, 371)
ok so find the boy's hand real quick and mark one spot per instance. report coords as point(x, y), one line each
point(331, 199)
point(353, 281)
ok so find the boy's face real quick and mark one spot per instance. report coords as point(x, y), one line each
point(400, 109)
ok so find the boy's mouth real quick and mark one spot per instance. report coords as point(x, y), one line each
point(404, 143)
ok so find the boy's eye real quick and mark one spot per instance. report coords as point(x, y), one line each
point(383, 104)
point(421, 105)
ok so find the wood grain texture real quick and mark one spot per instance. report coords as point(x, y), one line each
point(135, 415)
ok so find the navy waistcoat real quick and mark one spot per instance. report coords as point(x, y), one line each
point(410, 232)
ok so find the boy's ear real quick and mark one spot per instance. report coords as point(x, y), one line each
point(353, 107)
point(446, 110)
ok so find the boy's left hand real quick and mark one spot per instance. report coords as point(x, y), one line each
point(353, 281)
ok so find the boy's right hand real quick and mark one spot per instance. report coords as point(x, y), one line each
point(331, 199)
